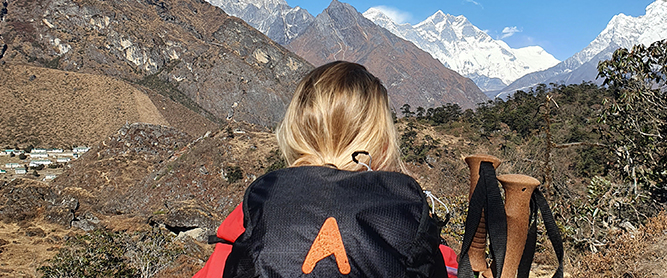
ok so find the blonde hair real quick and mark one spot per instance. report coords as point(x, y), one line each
point(337, 109)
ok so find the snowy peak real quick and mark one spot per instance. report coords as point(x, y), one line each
point(536, 54)
point(621, 31)
point(626, 31)
point(658, 7)
point(375, 14)
point(274, 18)
point(439, 16)
point(462, 47)
point(410, 74)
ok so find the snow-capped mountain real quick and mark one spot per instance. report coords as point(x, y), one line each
point(411, 75)
point(466, 49)
point(621, 31)
point(274, 18)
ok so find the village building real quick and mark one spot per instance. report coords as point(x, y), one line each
point(80, 149)
point(12, 165)
point(38, 155)
point(55, 151)
point(38, 150)
point(49, 177)
point(35, 163)
point(63, 159)
point(3, 171)
point(66, 153)
point(20, 171)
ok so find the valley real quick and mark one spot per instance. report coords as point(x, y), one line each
point(178, 100)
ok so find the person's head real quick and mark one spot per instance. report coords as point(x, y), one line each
point(337, 109)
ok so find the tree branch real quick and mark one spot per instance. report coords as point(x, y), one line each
point(567, 145)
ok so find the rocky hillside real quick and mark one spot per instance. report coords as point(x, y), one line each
point(54, 108)
point(411, 75)
point(142, 176)
point(188, 50)
point(150, 177)
point(161, 175)
point(153, 177)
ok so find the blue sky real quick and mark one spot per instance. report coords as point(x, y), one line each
point(562, 27)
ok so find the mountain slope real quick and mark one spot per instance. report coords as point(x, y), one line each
point(466, 49)
point(621, 31)
point(411, 75)
point(274, 18)
point(56, 108)
point(187, 50)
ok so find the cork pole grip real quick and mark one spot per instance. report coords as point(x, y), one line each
point(518, 190)
point(477, 250)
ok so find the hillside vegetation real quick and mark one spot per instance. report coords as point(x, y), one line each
point(598, 152)
point(163, 190)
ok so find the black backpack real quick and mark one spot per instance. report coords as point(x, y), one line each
point(315, 221)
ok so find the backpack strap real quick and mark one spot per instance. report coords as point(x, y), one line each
point(213, 239)
point(539, 202)
point(486, 198)
point(439, 221)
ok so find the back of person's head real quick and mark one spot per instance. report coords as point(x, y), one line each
point(337, 109)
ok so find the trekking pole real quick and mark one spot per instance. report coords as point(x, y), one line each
point(477, 252)
point(518, 191)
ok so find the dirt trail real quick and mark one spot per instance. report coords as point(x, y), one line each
point(148, 113)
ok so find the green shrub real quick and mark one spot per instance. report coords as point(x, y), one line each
point(234, 173)
point(96, 254)
point(275, 161)
point(107, 254)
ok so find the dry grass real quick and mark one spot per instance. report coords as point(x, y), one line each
point(25, 246)
point(53, 108)
point(632, 254)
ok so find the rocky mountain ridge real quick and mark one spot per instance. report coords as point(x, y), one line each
point(466, 49)
point(411, 75)
point(188, 50)
point(621, 31)
point(275, 18)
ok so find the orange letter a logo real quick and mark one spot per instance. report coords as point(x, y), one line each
point(328, 242)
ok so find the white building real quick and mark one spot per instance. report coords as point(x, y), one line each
point(63, 159)
point(12, 165)
point(49, 177)
point(2, 171)
point(55, 151)
point(38, 155)
point(67, 153)
point(80, 149)
point(35, 163)
point(20, 171)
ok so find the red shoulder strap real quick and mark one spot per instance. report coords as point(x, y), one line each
point(230, 229)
